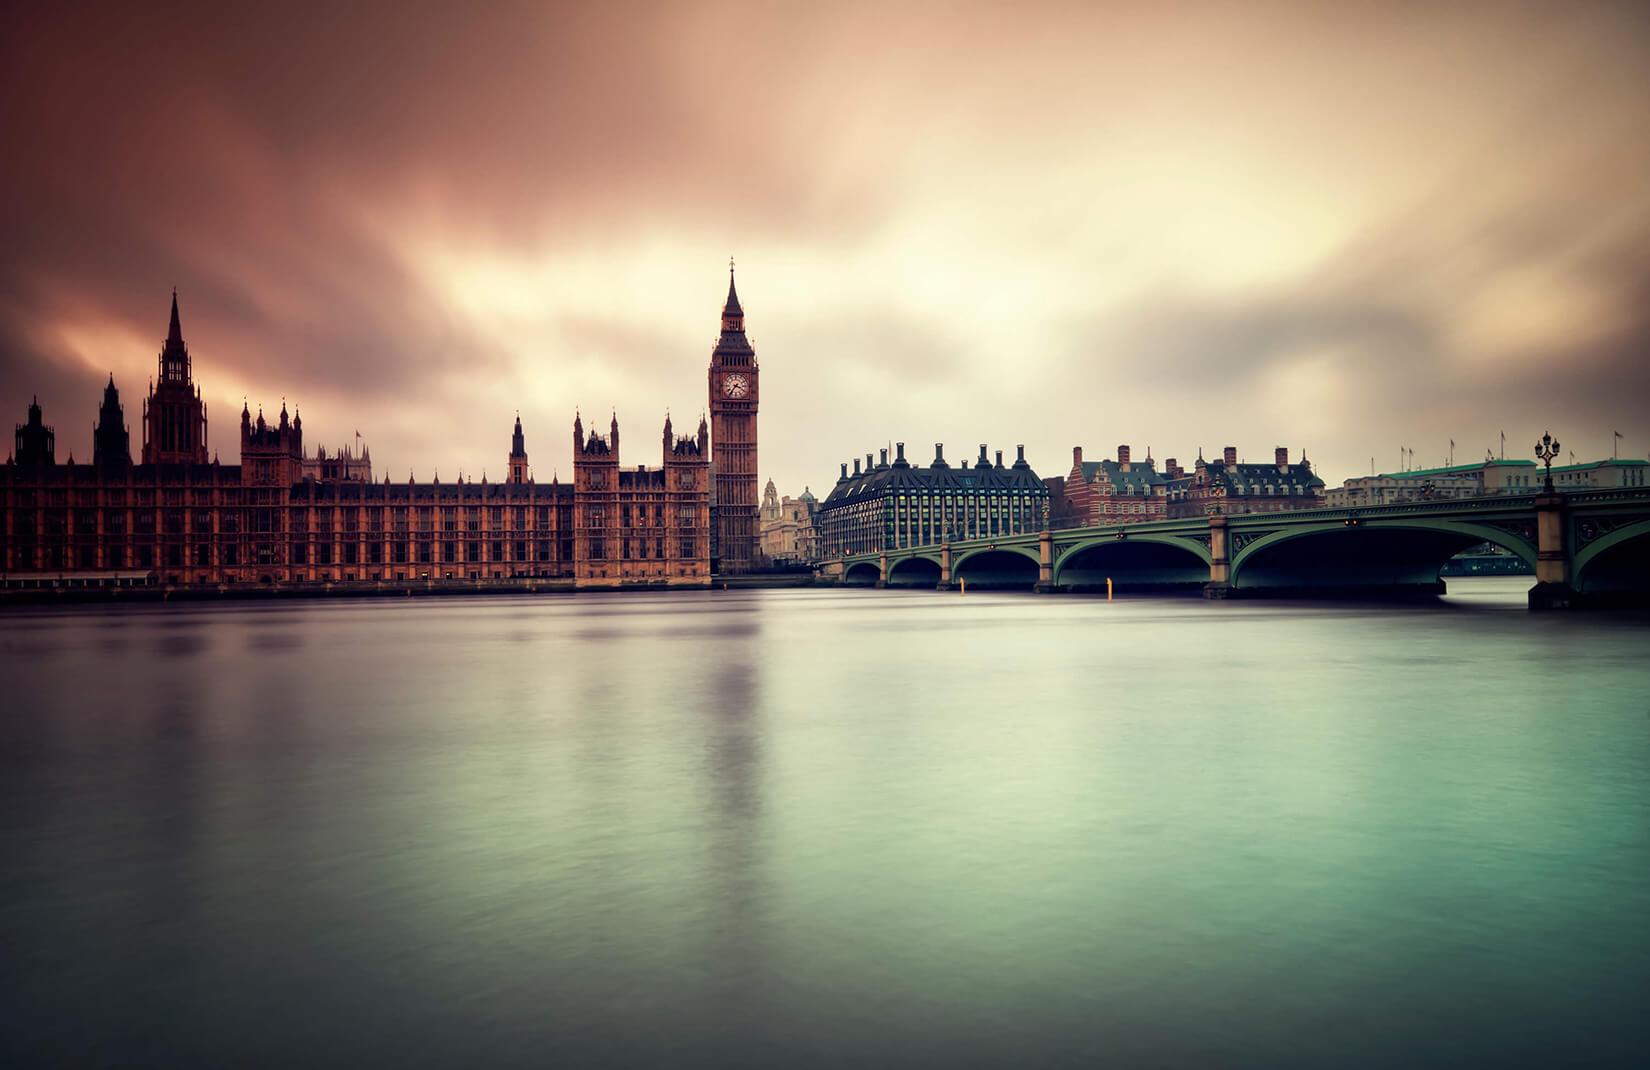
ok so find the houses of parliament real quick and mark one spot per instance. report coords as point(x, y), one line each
point(178, 518)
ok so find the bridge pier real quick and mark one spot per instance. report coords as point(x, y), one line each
point(1045, 562)
point(945, 568)
point(882, 570)
point(1220, 560)
point(1552, 588)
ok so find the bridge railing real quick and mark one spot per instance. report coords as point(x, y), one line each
point(1487, 503)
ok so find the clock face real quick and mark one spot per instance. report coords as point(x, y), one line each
point(736, 386)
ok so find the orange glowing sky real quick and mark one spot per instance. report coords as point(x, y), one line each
point(1344, 227)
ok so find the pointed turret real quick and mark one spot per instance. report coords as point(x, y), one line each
point(733, 316)
point(111, 442)
point(174, 332)
point(518, 455)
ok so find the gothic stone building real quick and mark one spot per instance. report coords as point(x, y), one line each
point(734, 394)
point(890, 505)
point(789, 536)
point(181, 519)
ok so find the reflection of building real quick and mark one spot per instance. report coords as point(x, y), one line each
point(733, 400)
point(885, 506)
point(788, 533)
point(282, 517)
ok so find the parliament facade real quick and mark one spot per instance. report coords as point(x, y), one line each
point(177, 517)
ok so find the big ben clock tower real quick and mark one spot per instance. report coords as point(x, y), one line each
point(733, 398)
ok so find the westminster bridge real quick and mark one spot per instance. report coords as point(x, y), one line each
point(1586, 548)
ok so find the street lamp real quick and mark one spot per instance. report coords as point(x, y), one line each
point(1545, 451)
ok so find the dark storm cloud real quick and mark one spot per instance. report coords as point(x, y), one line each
point(1043, 222)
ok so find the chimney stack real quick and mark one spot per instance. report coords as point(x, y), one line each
point(1231, 456)
point(899, 453)
point(999, 458)
point(939, 455)
point(856, 466)
point(1171, 468)
point(1076, 455)
point(844, 469)
point(984, 461)
point(1123, 457)
point(1283, 458)
point(884, 453)
point(1020, 454)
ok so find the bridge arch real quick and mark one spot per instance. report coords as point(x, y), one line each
point(1615, 563)
point(861, 574)
point(1379, 555)
point(1136, 562)
point(915, 571)
point(1005, 567)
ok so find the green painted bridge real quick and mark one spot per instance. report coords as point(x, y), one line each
point(1587, 548)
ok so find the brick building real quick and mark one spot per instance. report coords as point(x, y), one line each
point(1232, 486)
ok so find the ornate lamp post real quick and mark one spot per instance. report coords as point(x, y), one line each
point(1545, 451)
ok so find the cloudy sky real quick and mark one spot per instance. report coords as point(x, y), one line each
point(1348, 227)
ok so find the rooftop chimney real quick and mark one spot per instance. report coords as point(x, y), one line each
point(999, 458)
point(884, 462)
point(1171, 468)
point(1076, 456)
point(844, 469)
point(1283, 458)
point(1123, 457)
point(984, 461)
point(1231, 456)
point(939, 455)
point(1020, 454)
point(856, 466)
point(899, 454)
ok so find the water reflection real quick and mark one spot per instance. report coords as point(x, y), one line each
point(824, 828)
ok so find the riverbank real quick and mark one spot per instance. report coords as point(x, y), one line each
point(65, 594)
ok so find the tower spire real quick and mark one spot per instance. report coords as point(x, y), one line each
point(174, 333)
point(731, 309)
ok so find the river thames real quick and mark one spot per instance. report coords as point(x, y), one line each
point(825, 828)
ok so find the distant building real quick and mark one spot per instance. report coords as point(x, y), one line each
point(890, 505)
point(1123, 491)
point(789, 536)
point(1126, 491)
point(1231, 486)
point(281, 517)
point(1629, 472)
point(344, 466)
point(1481, 478)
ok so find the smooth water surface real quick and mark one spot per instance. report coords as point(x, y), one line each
point(827, 828)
